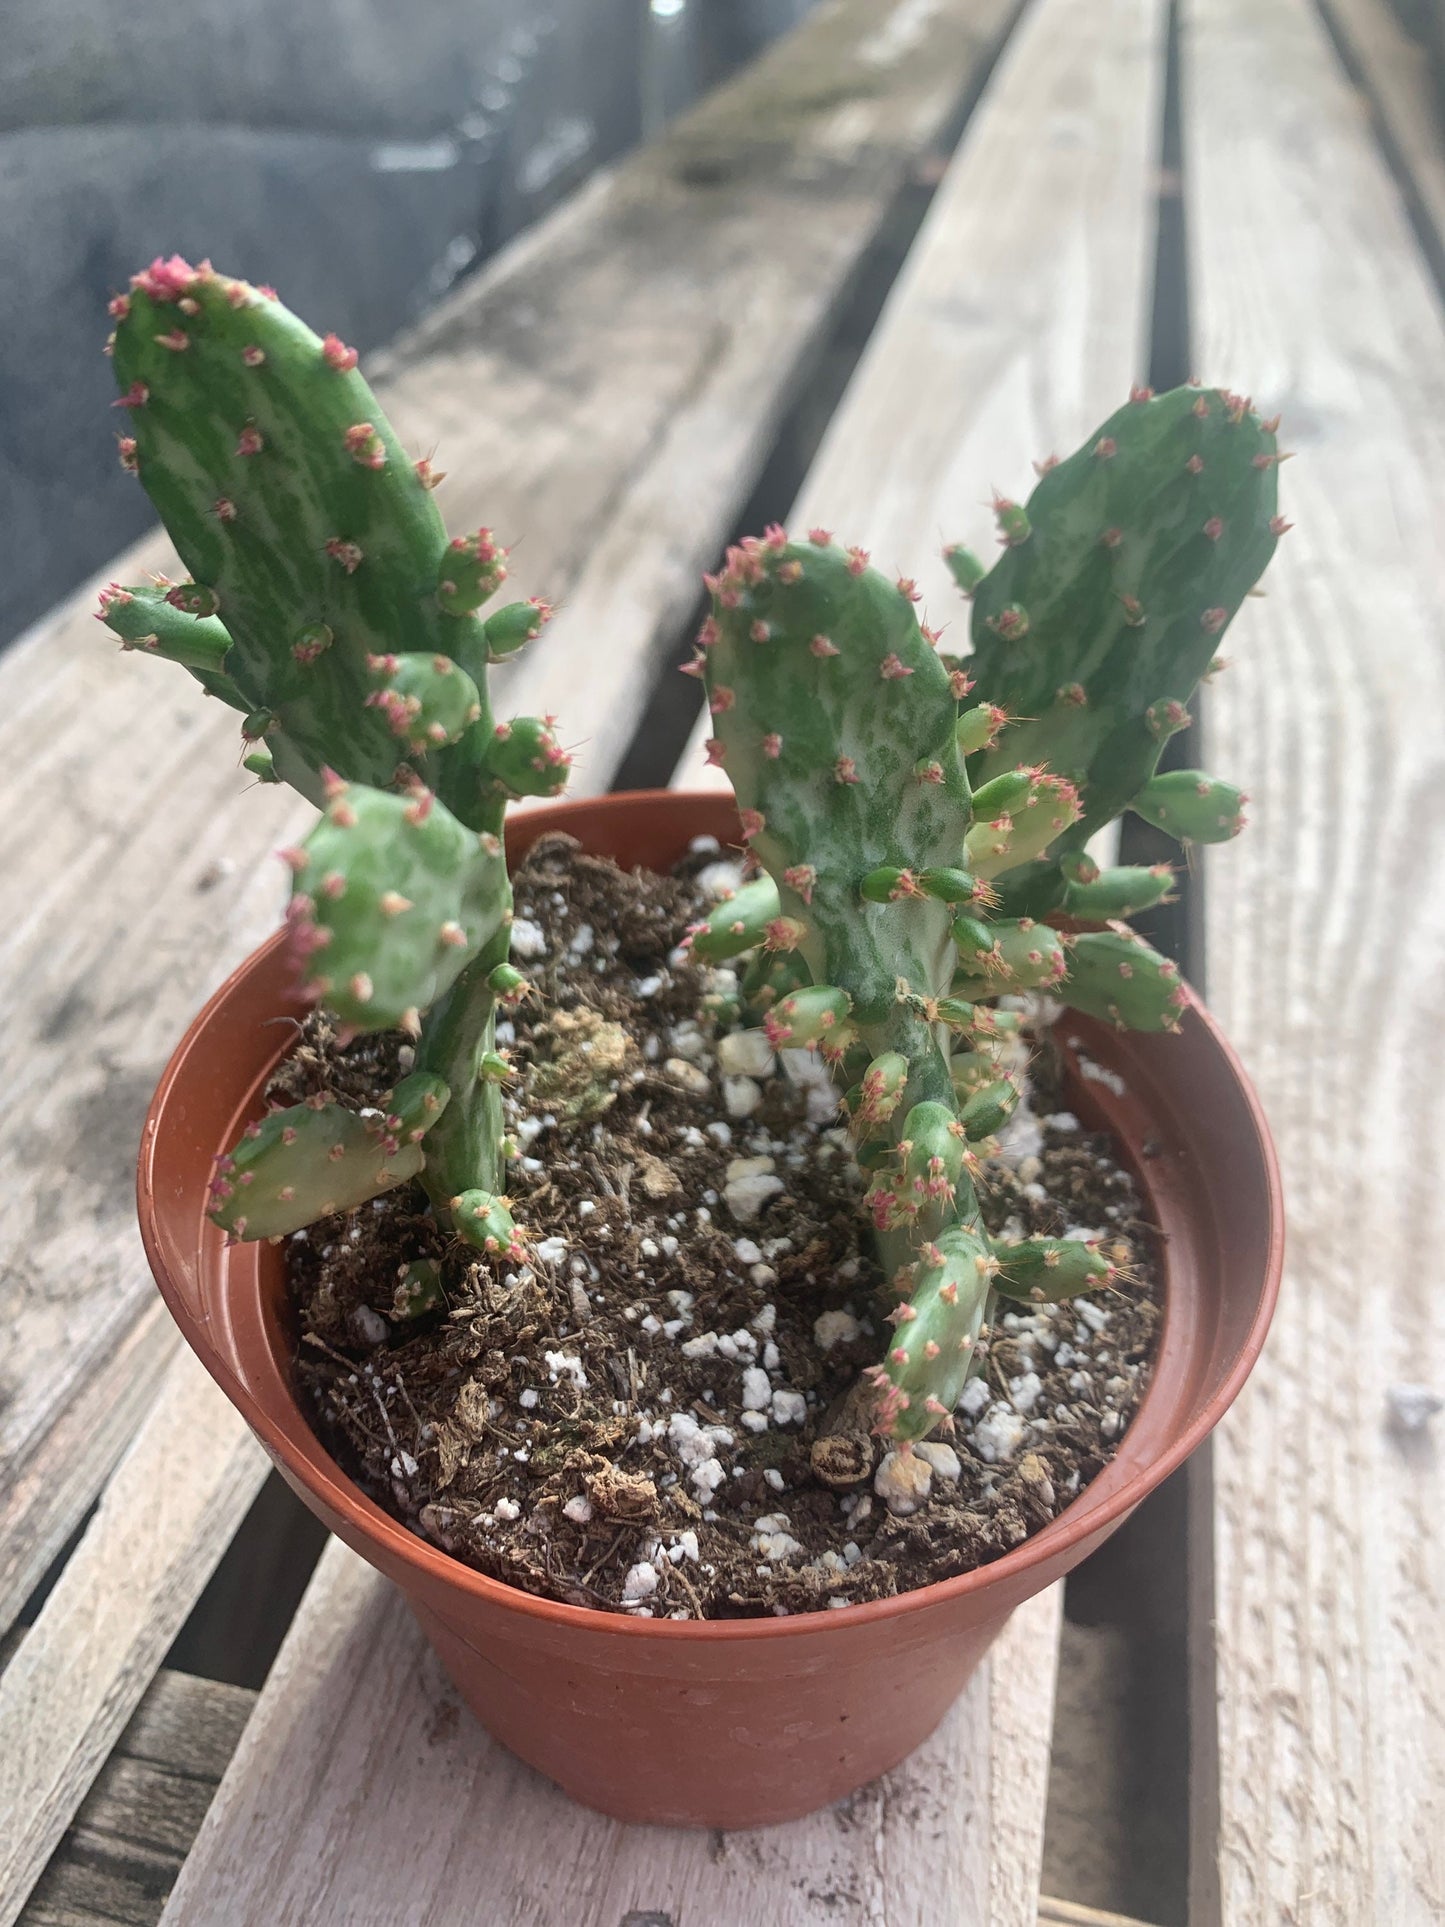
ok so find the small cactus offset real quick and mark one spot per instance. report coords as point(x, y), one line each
point(917, 819)
point(327, 605)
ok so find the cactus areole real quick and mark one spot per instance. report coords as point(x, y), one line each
point(915, 819)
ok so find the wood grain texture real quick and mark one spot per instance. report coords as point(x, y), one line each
point(120, 1856)
point(1021, 315)
point(1325, 937)
point(362, 1792)
point(86, 1437)
point(165, 1519)
point(608, 384)
point(1403, 99)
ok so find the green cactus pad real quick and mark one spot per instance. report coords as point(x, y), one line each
point(1037, 814)
point(965, 567)
point(738, 923)
point(1024, 956)
point(1120, 892)
point(524, 758)
point(305, 1162)
point(1115, 975)
point(935, 1339)
point(990, 1108)
point(1044, 1270)
point(816, 1014)
point(1192, 806)
point(147, 617)
point(393, 898)
point(471, 571)
point(508, 629)
point(288, 497)
point(771, 976)
point(427, 700)
point(1141, 548)
point(485, 1221)
point(419, 1290)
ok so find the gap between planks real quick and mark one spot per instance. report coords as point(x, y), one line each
point(121, 1855)
point(1325, 934)
point(590, 393)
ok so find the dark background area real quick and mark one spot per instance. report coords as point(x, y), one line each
point(361, 155)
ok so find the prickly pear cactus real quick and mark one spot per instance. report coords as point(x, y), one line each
point(917, 819)
point(327, 605)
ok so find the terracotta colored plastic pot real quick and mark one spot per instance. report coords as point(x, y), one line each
point(727, 1723)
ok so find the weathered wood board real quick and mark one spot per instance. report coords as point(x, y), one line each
point(1325, 937)
point(120, 1858)
point(166, 1517)
point(1406, 107)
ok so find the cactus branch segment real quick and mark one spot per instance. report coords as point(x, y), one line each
point(394, 897)
point(912, 852)
point(328, 606)
point(1140, 549)
point(291, 502)
point(305, 1162)
point(1115, 975)
point(152, 618)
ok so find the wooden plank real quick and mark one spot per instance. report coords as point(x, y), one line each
point(608, 385)
point(120, 1857)
point(1021, 315)
point(359, 1794)
point(1403, 99)
point(165, 1519)
point(55, 1484)
point(1325, 928)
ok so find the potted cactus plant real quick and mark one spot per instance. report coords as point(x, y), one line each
point(918, 827)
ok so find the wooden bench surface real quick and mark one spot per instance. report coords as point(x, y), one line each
point(1325, 933)
point(610, 388)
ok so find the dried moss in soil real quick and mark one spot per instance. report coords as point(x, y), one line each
point(549, 1423)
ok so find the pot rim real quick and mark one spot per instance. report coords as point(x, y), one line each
point(314, 1466)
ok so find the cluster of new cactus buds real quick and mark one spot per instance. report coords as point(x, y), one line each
point(918, 818)
point(327, 606)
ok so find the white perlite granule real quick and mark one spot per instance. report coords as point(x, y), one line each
point(999, 1434)
point(835, 1328)
point(527, 940)
point(902, 1481)
point(640, 1583)
point(750, 1184)
point(942, 1459)
point(746, 1053)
